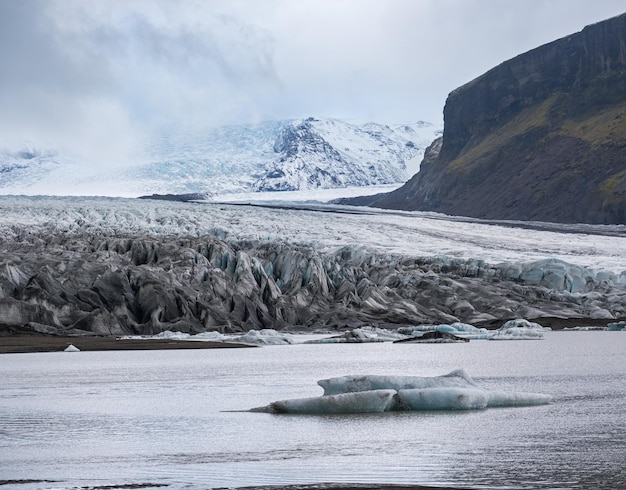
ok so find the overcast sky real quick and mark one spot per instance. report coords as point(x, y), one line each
point(106, 74)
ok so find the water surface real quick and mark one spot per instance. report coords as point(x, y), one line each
point(170, 417)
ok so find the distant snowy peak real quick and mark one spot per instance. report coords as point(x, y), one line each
point(26, 164)
point(329, 153)
point(272, 155)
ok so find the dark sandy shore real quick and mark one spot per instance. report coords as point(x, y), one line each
point(13, 344)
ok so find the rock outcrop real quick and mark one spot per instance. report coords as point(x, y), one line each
point(539, 137)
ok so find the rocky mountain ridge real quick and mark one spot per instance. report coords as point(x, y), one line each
point(539, 137)
point(328, 153)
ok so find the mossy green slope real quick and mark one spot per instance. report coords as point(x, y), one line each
point(539, 137)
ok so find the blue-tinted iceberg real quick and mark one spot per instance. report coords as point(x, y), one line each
point(617, 326)
point(373, 394)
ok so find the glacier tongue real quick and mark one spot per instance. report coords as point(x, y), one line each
point(117, 267)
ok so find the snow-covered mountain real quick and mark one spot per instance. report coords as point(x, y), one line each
point(269, 156)
point(328, 153)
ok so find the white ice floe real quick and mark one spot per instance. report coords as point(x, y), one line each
point(360, 336)
point(71, 348)
point(371, 394)
point(458, 329)
point(519, 330)
point(512, 330)
point(263, 337)
point(257, 337)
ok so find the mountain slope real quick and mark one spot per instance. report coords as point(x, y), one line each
point(274, 155)
point(330, 153)
point(539, 137)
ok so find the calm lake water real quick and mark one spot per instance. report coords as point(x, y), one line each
point(76, 420)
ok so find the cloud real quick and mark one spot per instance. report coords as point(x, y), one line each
point(99, 78)
point(100, 81)
point(397, 59)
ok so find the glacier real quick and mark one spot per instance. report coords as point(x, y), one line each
point(104, 266)
point(316, 153)
point(376, 393)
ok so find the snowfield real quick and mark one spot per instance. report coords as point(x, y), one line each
point(412, 234)
point(315, 153)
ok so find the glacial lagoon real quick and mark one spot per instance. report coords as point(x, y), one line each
point(177, 418)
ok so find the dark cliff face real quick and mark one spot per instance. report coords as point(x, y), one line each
point(539, 137)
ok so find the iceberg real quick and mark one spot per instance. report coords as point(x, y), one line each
point(434, 337)
point(379, 393)
point(519, 330)
point(356, 336)
point(266, 336)
point(458, 329)
point(71, 348)
point(617, 326)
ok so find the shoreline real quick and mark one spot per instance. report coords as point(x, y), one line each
point(23, 344)
point(30, 342)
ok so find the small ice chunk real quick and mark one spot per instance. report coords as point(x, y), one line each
point(169, 335)
point(71, 348)
point(519, 330)
point(459, 329)
point(354, 336)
